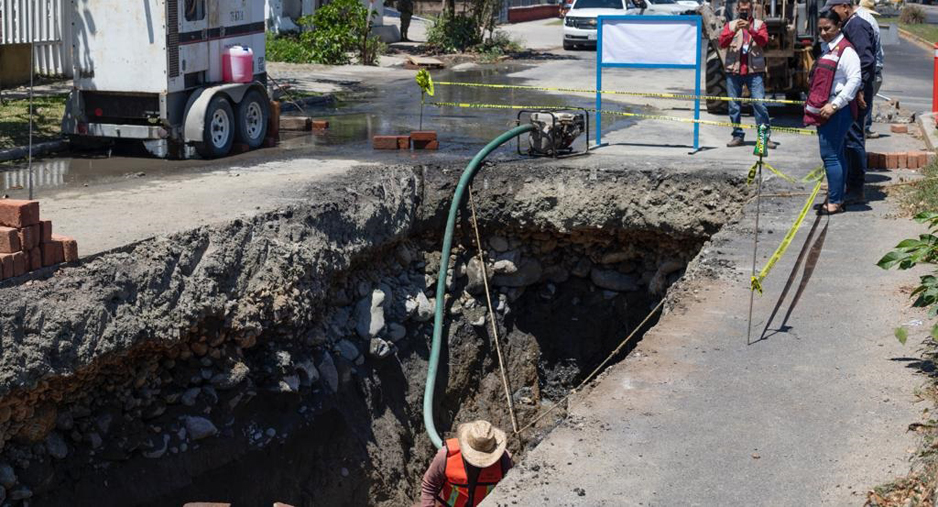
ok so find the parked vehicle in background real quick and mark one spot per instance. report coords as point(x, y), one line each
point(181, 76)
point(579, 25)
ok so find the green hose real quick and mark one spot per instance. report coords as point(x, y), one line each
point(434, 363)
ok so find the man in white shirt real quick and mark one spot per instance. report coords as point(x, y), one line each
point(866, 11)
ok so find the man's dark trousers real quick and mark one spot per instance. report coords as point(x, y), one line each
point(856, 147)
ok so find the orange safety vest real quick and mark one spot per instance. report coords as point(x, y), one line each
point(455, 492)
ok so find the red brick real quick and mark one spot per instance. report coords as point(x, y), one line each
point(423, 135)
point(871, 157)
point(892, 161)
point(427, 145)
point(391, 142)
point(53, 253)
point(295, 123)
point(320, 124)
point(45, 231)
point(18, 214)
point(881, 160)
point(29, 237)
point(903, 159)
point(913, 160)
point(69, 247)
point(35, 259)
point(10, 240)
point(19, 264)
point(269, 142)
point(899, 128)
point(273, 125)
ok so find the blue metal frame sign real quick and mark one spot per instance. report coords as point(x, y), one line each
point(600, 65)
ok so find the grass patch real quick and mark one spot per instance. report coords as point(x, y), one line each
point(922, 195)
point(14, 120)
point(923, 30)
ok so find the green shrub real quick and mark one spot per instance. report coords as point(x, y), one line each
point(912, 15)
point(499, 44)
point(453, 33)
point(331, 36)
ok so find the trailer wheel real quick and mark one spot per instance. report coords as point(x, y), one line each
point(219, 132)
point(716, 83)
point(253, 115)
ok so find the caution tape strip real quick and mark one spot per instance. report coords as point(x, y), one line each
point(676, 96)
point(789, 130)
point(756, 283)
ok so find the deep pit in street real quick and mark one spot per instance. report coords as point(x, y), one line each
point(283, 357)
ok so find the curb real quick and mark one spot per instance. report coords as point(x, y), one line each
point(915, 39)
point(926, 122)
point(38, 149)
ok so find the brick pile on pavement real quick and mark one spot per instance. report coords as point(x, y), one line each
point(419, 139)
point(27, 243)
point(899, 160)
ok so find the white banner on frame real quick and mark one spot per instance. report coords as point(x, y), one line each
point(650, 42)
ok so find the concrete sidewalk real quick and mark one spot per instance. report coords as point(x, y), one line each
point(813, 415)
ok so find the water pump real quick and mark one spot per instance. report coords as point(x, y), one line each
point(555, 131)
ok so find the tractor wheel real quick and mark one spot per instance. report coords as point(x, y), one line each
point(716, 83)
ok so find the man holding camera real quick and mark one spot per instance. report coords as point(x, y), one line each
point(743, 38)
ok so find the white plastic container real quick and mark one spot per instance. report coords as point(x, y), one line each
point(238, 65)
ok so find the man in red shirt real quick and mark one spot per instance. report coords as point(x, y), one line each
point(743, 38)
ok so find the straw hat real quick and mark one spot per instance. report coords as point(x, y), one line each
point(480, 443)
point(869, 5)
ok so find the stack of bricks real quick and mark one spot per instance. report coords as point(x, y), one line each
point(27, 243)
point(899, 160)
point(420, 140)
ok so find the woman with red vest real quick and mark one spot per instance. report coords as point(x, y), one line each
point(832, 107)
point(467, 468)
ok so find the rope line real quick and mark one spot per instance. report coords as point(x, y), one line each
point(790, 130)
point(676, 96)
point(597, 370)
point(491, 315)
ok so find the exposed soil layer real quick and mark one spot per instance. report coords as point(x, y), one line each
point(283, 358)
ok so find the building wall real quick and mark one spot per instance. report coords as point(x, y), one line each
point(14, 65)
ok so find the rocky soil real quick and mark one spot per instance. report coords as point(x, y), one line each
point(284, 358)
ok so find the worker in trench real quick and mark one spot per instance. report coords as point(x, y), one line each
point(467, 467)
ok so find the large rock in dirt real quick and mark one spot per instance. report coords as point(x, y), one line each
point(424, 308)
point(529, 273)
point(200, 427)
point(613, 280)
point(330, 375)
point(379, 349)
point(369, 314)
point(476, 284)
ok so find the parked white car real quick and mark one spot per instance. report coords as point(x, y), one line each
point(579, 25)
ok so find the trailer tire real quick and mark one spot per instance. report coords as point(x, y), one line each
point(716, 83)
point(219, 132)
point(253, 114)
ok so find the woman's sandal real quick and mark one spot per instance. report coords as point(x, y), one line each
point(824, 211)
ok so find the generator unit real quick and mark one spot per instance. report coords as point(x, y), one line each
point(161, 72)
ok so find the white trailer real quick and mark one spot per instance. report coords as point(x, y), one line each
point(151, 70)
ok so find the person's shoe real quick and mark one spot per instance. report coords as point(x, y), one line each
point(872, 135)
point(737, 141)
point(770, 144)
point(855, 196)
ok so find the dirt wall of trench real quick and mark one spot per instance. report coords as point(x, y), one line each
point(245, 362)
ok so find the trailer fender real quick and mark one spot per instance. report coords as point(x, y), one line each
point(199, 100)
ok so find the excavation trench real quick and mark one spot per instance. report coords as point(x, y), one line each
point(283, 358)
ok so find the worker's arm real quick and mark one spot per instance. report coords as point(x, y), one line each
point(433, 480)
point(760, 36)
point(860, 34)
point(726, 36)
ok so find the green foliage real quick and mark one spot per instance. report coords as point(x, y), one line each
point(14, 120)
point(453, 33)
point(912, 15)
point(911, 252)
point(331, 36)
point(497, 45)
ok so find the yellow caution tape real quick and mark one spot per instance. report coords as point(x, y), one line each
point(756, 283)
point(817, 174)
point(676, 96)
point(790, 130)
point(752, 174)
point(780, 174)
